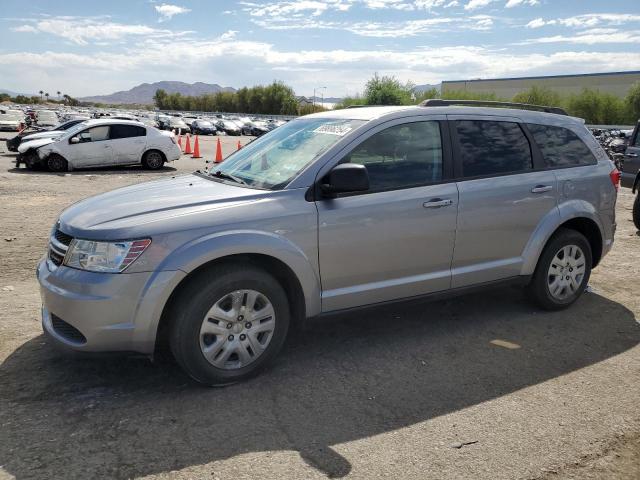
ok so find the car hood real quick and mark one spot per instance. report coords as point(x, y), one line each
point(8, 121)
point(48, 134)
point(37, 143)
point(159, 206)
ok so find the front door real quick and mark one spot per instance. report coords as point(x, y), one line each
point(395, 240)
point(93, 150)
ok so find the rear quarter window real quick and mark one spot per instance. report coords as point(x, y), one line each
point(561, 147)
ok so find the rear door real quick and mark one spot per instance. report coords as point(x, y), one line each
point(128, 143)
point(502, 197)
point(396, 239)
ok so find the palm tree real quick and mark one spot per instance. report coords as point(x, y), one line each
point(58, 95)
point(41, 92)
point(47, 95)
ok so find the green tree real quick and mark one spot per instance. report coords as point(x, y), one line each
point(425, 95)
point(632, 102)
point(350, 101)
point(387, 91)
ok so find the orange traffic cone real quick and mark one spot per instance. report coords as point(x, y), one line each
point(218, 152)
point(239, 145)
point(187, 146)
point(196, 149)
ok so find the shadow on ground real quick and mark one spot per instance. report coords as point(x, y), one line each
point(341, 379)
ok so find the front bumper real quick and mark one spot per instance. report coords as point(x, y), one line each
point(111, 312)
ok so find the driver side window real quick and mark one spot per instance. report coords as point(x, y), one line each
point(401, 156)
point(95, 134)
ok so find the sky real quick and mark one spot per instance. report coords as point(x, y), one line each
point(86, 47)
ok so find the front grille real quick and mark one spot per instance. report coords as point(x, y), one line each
point(67, 331)
point(58, 246)
point(62, 237)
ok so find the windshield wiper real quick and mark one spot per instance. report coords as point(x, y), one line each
point(226, 176)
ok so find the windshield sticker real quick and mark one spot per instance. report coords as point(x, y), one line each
point(333, 129)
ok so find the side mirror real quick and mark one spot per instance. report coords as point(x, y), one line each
point(74, 140)
point(346, 178)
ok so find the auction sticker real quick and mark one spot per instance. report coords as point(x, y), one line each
point(333, 129)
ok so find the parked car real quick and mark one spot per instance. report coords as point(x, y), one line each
point(46, 118)
point(203, 127)
point(99, 143)
point(228, 127)
point(636, 203)
point(329, 212)
point(57, 131)
point(176, 123)
point(255, 128)
point(630, 160)
point(11, 119)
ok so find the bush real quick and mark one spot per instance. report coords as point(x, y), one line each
point(539, 96)
point(387, 91)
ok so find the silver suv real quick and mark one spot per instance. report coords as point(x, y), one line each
point(331, 211)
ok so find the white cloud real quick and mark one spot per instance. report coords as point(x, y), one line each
point(83, 31)
point(168, 11)
point(536, 23)
point(475, 4)
point(517, 3)
point(591, 37)
point(341, 70)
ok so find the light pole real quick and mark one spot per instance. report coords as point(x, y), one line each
point(314, 97)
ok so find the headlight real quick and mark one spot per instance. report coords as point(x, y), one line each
point(110, 257)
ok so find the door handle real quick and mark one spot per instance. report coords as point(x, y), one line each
point(437, 203)
point(541, 189)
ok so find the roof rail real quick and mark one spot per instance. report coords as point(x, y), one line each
point(436, 102)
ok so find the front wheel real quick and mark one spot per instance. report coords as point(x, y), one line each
point(563, 271)
point(229, 323)
point(56, 163)
point(636, 211)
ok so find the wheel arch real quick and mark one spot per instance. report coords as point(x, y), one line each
point(572, 216)
point(272, 265)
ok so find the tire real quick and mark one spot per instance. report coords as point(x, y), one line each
point(636, 211)
point(227, 349)
point(56, 163)
point(571, 252)
point(153, 160)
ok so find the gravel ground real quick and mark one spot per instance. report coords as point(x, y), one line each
point(411, 391)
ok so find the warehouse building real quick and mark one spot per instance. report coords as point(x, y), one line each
point(616, 83)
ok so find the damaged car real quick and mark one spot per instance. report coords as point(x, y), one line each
point(101, 143)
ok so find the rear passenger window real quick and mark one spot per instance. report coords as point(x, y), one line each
point(127, 131)
point(561, 147)
point(401, 156)
point(492, 148)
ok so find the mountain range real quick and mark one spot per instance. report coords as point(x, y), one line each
point(143, 94)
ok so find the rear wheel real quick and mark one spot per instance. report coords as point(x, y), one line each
point(636, 211)
point(153, 160)
point(563, 271)
point(228, 324)
point(57, 163)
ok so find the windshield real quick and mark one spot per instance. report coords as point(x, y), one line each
point(273, 160)
point(204, 124)
point(75, 129)
point(12, 115)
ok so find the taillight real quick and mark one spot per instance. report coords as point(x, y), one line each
point(615, 178)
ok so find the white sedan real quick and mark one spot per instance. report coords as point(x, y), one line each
point(101, 143)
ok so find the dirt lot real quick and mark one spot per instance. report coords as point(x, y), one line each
point(416, 391)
